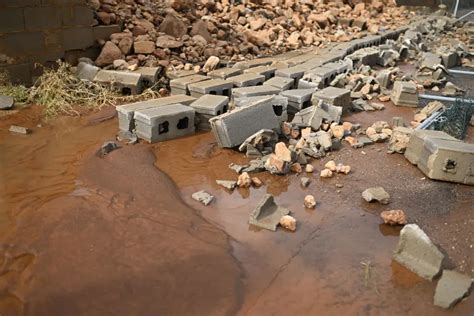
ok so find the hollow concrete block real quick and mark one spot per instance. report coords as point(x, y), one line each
point(126, 82)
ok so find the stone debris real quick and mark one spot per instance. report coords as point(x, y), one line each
point(331, 165)
point(309, 201)
point(305, 182)
point(106, 148)
point(404, 93)
point(309, 168)
point(288, 222)
point(452, 288)
point(203, 197)
point(19, 129)
point(417, 252)
point(399, 139)
point(6, 102)
point(256, 182)
point(267, 214)
point(376, 194)
point(227, 184)
point(244, 180)
point(394, 217)
point(326, 173)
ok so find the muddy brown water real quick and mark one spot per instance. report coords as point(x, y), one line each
point(81, 235)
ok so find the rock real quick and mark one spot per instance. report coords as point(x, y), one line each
point(277, 166)
point(109, 53)
point(144, 47)
point(337, 131)
point(452, 288)
point(200, 28)
point(173, 26)
point(211, 64)
point(106, 148)
point(166, 41)
point(267, 214)
point(296, 168)
point(6, 102)
point(283, 153)
point(340, 168)
point(19, 129)
point(309, 168)
point(227, 184)
point(325, 173)
point(394, 217)
point(203, 197)
point(309, 201)
point(305, 182)
point(257, 182)
point(244, 180)
point(376, 194)
point(288, 222)
point(416, 252)
point(331, 165)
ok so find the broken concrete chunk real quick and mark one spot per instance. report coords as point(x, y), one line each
point(267, 214)
point(203, 197)
point(404, 93)
point(256, 182)
point(86, 71)
point(288, 222)
point(106, 148)
point(275, 165)
point(127, 136)
point(417, 252)
point(394, 217)
point(399, 139)
point(376, 194)
point(416, 143)
point(334, 96)
point(237, 168)
point(283, 153)
point(227, 184)
point(452, 288)
point(19, 129)
point(244, 180)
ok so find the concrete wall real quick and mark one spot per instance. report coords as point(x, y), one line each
point(43, 31)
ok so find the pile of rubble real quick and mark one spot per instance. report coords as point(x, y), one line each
point(178, 32)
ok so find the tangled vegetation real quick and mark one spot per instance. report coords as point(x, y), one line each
point(19, 93)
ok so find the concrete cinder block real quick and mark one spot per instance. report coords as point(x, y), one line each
point(404, 93)
point(417, 252)
point(224, 73)
point(280, 83)
point(295, 73)
point(417, 142)
point(87, 71)
point(150, 75)
point(451, 288)
point(22, 43)
point(315, 115)
point(11, 20)
point(267, 214)
point(253, 63)
point(227, 127)
point(175, 74)
point(298, 99)
point(267, 71)
point(181, 85)
point(103, 32)
point(447, 160)
point(40, 18)
point(77, 15)
point(279, 104)
point(78, 38)
point(126, 111)
point(213, 86)
point(128, 83)
point(334, 96)
point(254, 91)
point(164, 122)
point(246, 80)
point(207, 107)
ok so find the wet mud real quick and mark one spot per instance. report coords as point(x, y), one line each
point(82, 235)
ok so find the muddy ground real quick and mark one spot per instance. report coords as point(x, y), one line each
point(120, 235)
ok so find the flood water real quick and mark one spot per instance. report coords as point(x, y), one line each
point(83, 235)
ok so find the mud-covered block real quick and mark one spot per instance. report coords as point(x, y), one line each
point(334, 96)
point(416, 252)
point(267, 214)
point(232, 128)
point(126, 111)
point(164, 122)
point(452, 288)
point(180, 85)
point(247, 80)
point(213, 86)
point(417, 142)
point(127, 82)
point(404, 93)
point(207, 107)
point(447, 160)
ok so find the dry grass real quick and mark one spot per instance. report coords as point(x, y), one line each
point(19, 93)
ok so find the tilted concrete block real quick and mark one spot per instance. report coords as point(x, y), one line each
point(150, 75)
point(232, 128)
point(254, 91)
point(452, 288)
point(280, 83)
point(175, 74)
point(224, 73)
point(247, 80)
point(417, 142)
point(298, 99)
point(334, 96)
point(447, 160)
point(213, 86)
point(417, 252)
point(87, 71)
point(404, 93)
point(267, 71)
point(127, 82)
point(315, 115)
point(267, 214)
point(164, 122)
point(126, 111)
point(279, 104)
point(181, 85)
point(207, 107)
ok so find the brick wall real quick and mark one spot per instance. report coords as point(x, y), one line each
point(43, 31)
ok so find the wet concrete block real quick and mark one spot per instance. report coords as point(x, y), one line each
point(150, 75)
point(181, 85)
point(404, 94)
point(127, 82)
point(279, 104)
point(267, 71)
point(207, 107)
point(417, 142)
point(126, 111)
point(247, 80)
point(417, 252)
point(164, 122)
point(213, 86)
point(267, 214)
point(86, 71)
point(224, 73)
point(298, 99)
point(254, 91)
point(447, 160)
point(452, 288)
point(232, 128)
point(334, 96)
point(280, 83)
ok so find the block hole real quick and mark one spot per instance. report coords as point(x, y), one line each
point(126, 91)
point(224, 109)
point(278, 110)
point(163, 127)
point(450, 165)
point(213, 92)
point(307, 104)
point(226, 92)
point(260, 84)
point(183, 123)
point(219, 112)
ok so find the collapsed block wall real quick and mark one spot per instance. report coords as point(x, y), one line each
point(43, 31)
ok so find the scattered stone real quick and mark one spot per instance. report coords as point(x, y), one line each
point(106, 148)
point(452, 288)
point(325, 173)
point(376, 194)
point(6, 102)
point(203, 197)
point(267, 214)
point(19, 129)
point(309, 201)
point(244, 180)
point(211, 64)
point(296, 168)
point(417, 252)
point(331, 165)
point(345, 169)
point(288, 222)
point(309, 168)
point(109, 53)
point(227, 184)
point(305, 182)
point(283, 153)
point(257, 182)
point(394, 217)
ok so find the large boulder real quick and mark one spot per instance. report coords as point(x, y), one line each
point(109, 53)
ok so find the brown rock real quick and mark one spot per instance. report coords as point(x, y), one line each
point(276, 166)
point(394, 217)
point(288, 222)
point(282, 152)
point(105, 18)
point(144, 47)
point(173, 26)
point(331, 165)
point(325, 173)
point(296, 168)
point(244, 180)
point(211, 64)
point(200, 28)
point(166, 41)
point(109, 53)
point(126, 44)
